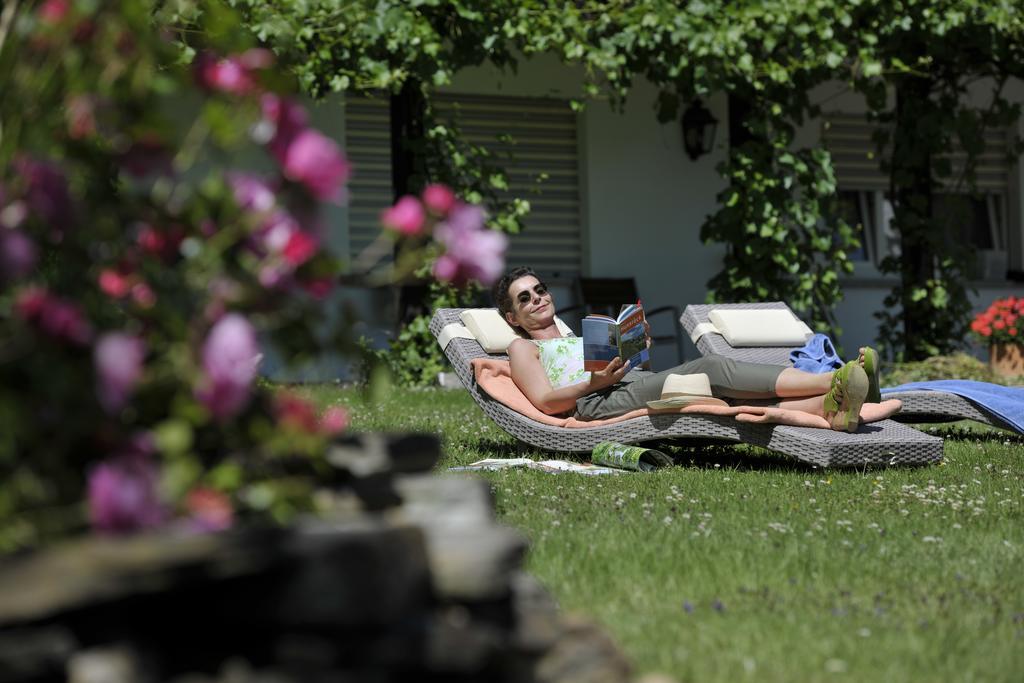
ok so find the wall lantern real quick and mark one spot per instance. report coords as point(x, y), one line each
point(698, 129)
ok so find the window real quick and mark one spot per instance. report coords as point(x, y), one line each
point(977, 219)
point(530, 138)
point(368, 147)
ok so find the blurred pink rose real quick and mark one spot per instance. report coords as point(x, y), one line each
point(230, 357)
point(30, 302)
point(53, 316)
point(115, 284)
point(334, 420)
point(226, 74)
point(286, 120)
point(405, 217)
point(317, 162)
point(319, 287)
point(256, 58)
point(439, 199)
point(162, 243)
point(118, 358)
point(273, 236)
point(209, 509)
point(151, 240)
point(81, 116)
point(300, 248)
point(472, 252)
point(143, 295)
point(123, 494)
point(274, 276)
point(295, 412)
point(47, 196)
point(252, 193)
point(53, 11)
point(18, 254)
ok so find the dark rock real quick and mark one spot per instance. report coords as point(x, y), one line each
point(31, 654)
point(583, 654)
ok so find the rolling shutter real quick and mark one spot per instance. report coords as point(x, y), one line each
point(529, 137)
point(368, 147)
point(848, 138)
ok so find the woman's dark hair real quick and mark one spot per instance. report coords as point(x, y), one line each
point(500, 290)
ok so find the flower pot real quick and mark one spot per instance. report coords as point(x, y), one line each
point(1006, 359)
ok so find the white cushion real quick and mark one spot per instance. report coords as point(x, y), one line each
point(760, 327)
point(492, 332)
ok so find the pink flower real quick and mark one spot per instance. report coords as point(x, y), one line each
point(286, 120)
point(18, 254)
point(317, 162)
point(30, 302)
point(53, 316)
point(151, 240)
point(53, 11)
point(123, 493)
point(252, 193)
point(334, 420)
point(273, 276)
point(439, 199)
point(318, 288)
point(471, 251)
point(143, 295)
point(210, 510)
point(405, 217)
point(300, 248)
point(81, 116)
point(295, 413)
point(114, 283)
point(256, 58)
point(228, 75)
point(230, 357)
point(48, 196)
point(118, 358)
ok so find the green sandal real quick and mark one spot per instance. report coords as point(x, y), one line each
point(871, 367)
point(845, 398)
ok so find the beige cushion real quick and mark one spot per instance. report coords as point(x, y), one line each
point(760, 327)
point(492, 332)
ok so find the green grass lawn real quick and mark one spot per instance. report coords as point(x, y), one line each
point(740, 565)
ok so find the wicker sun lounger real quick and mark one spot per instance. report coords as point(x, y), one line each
point(918, 406)
point(879, 443)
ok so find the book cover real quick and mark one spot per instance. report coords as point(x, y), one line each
point(604, 338)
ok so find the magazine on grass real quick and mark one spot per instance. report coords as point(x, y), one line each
point(604, 338)
point(551, 466)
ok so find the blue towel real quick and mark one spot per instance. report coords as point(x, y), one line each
point(817, 355)
point(1006, 402)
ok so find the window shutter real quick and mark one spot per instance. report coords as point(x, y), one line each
point(541, 139)
point(855, 157)
point(368, 147)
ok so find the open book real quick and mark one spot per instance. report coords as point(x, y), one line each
point(605, 338)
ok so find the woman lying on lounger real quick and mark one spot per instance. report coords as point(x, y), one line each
point(526, 304)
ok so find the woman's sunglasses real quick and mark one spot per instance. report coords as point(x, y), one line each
point(540, 289)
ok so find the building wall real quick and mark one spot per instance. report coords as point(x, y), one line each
point(644, 200)
point(643, 204)
point(864, 291)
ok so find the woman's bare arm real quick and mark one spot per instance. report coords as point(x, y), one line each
point(529, 376)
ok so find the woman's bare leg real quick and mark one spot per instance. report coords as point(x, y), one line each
point(815, 405)
point(793, 383)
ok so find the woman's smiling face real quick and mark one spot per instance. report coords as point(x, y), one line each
point(532, 305)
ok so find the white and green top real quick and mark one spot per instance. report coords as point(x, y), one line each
point(562, 360)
